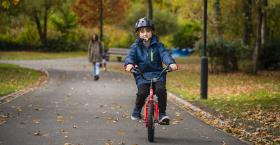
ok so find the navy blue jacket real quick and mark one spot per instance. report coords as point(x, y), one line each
point(149, 60)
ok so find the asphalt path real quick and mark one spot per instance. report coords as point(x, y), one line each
point(72, 108)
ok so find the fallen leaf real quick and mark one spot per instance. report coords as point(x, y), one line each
point(36, 121)
point(37, 134)
point(108, 142)
point(60, 118)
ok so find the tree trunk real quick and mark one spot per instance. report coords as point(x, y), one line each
point(150, 9)
point(247, 30)
point(101, 20)
point(45, 24)
point(264, 22)
point(218, 17)
point(258, 39)
point(39, 27)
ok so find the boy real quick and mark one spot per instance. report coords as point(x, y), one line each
point(148, 54)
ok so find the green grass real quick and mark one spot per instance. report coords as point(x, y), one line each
point(13, 78)
point(232, 90)
point(253, 100)
point(39, 55)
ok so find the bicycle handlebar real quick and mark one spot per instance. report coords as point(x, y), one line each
point(137, 70)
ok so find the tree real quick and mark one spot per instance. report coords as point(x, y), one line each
point(247, 28)
point(92, 13)
point(64, 19)
point(150, 9)
point(88, 11)
point(39, 12)
point(6, 4)
point(261, 32)
point(101, 19)
point(264, 22)
point(218, 18)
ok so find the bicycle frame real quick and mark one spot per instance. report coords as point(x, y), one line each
point(151, 115)
point(151, 100)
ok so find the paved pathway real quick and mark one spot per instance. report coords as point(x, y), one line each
point(72, 108)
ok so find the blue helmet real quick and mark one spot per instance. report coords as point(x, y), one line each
point(144, 22)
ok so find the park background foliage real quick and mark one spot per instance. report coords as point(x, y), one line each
point(242, 34)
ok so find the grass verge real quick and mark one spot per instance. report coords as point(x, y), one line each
point(14, 78)
point(24, 55)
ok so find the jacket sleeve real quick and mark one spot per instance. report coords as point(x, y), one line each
point(165, 55)
point(131, 56)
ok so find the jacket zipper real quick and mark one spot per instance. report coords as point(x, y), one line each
point(152, 55)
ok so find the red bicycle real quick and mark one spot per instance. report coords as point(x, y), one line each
point(151, 111)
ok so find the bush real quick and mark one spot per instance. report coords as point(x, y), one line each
point(165, 22)
point(187, 35)
point(116, 37)
point(224, 54)
point(16, 46)
point(270, 56)
point(75, 40)
point(29, 35)
point(19, 39)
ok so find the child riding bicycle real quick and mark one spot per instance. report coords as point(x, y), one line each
point(148, 53)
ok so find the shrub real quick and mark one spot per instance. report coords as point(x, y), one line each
point(19, 39)
point(73, 41)
point(165, 22)
point(225, 55)
point(270, 56)
point(187, 35)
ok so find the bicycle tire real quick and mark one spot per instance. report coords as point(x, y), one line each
point(151, 125)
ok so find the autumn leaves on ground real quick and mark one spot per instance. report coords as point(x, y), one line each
point(249, 104)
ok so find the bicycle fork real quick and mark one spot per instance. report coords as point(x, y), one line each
point(152, 99)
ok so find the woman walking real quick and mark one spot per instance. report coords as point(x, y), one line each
point(95, 51)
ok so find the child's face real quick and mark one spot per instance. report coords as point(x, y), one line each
point(145, 33)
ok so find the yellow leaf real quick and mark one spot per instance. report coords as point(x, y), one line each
point(15, 2)
point(59, 118)
point(6, 4)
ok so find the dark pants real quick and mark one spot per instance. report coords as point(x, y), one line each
point(160, 91)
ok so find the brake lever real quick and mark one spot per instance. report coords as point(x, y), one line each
point(135, 70)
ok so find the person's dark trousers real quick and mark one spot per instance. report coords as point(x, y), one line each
point(160, 90)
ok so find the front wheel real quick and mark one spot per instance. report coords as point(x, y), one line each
point(151, 125)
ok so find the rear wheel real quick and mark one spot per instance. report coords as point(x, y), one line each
point(151, 127)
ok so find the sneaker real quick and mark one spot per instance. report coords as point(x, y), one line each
point(136, 114)
point(96, 78)
point(163, 119)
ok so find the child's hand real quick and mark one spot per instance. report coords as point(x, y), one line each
point(173, 67)
point(128, 67)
